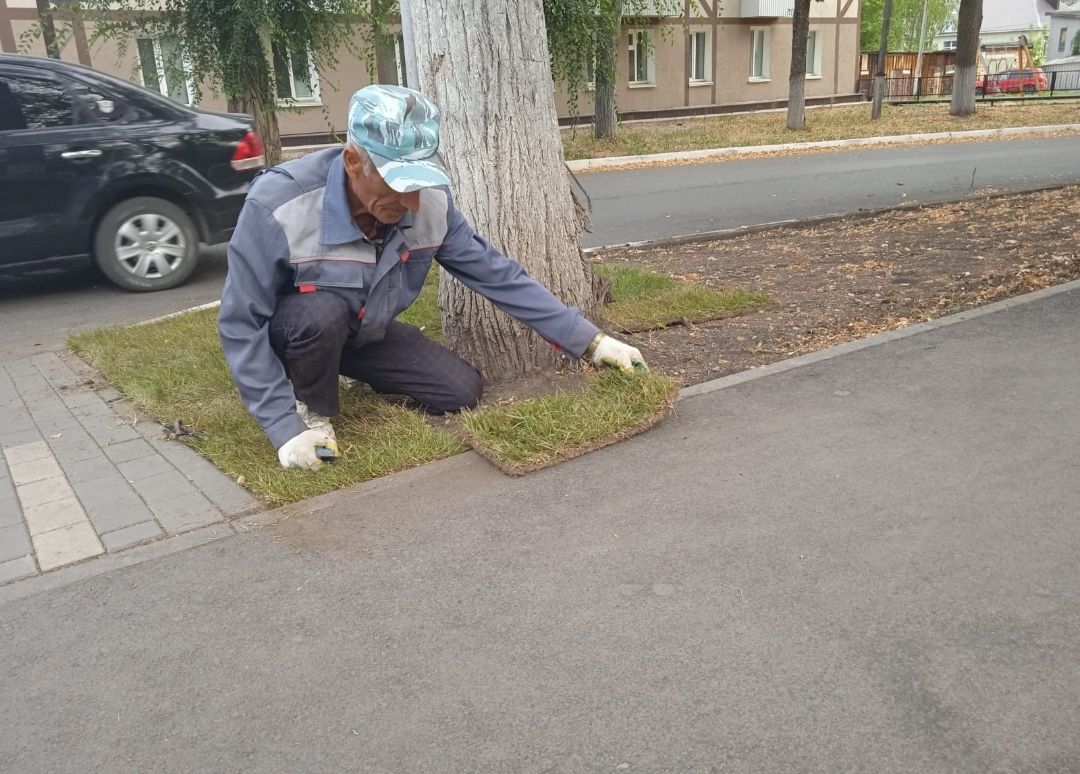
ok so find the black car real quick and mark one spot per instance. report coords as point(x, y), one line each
point(94, 166)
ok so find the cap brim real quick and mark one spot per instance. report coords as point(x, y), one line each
point(406, 176)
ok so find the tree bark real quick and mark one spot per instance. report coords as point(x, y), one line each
point(263, 110)
point(485, 64)
point(969, 22)
point(800, 31)
point(605, 120)
point(48, 29)
point(879, 79)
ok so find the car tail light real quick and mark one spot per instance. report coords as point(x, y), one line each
point(248, 154)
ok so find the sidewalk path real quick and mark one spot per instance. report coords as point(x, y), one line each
point(865, 564)
point(81, 474)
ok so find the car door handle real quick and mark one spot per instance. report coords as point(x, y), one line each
point(83, 154)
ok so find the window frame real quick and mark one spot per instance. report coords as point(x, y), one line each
point(764, 76)
point(639, 49)
point(1063, 39)
point(162, 87)
point(315, 100)
point(814, 63)
point(706, 78)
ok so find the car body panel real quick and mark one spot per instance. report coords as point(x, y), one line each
point(126, 142)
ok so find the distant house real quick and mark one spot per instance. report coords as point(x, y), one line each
point(1064, 27)
point(730, 55)
point(1004, 21)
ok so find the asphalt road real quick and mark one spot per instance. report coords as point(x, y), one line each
point(867, 564)
point(37, 313)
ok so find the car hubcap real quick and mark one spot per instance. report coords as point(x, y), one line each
point(150, 246)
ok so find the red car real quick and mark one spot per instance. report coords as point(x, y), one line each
point(1027, 81)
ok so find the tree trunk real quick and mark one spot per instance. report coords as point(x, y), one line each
point(800, 31)
point(485, 64)
point(48, 29)
point(605, 120)
point(879, 79)
point(969, 22)
point(263, 111)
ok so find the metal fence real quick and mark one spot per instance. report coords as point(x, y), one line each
point(1045, 83)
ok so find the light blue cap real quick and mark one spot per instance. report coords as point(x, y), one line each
point(399, 128)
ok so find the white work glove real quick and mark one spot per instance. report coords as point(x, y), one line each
point(299, 451)
point(612, 352)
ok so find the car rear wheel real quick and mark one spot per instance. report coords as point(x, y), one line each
point(146, 244)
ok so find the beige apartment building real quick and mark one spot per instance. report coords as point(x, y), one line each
point(729, 55)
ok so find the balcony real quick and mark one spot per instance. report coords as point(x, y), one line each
point(767, 9)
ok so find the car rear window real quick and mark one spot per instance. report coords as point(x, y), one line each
point(32, 103)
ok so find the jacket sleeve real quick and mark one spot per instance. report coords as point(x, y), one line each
point(258, 269)
point(480, 267)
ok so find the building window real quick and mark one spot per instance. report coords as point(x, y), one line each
point(759, 54)
point(700, 57)
point(641, 68)
point(949, 45)
point(1063, 39)
point(163, 69)
point(295, 77)
point(813, 54)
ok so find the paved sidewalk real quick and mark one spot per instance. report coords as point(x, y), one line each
point(82, 474)
point(866, 563)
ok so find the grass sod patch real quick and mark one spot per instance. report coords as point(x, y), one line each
point(645, 300)
point(836, 123)
point(174, 369)
point(522, 437)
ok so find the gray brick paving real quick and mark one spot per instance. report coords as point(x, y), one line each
point(108, 430)
point(145, 467)
point(132, 485)
point(233, 500)
point(179, 514)
point(9, 504)
point(129, 536)
point(19, 438)
point(169, 483)
point(111, 503)
point(14, 542)
point(128, 450)
point(15, 569)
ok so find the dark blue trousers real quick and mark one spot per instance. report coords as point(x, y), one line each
point(310, 332)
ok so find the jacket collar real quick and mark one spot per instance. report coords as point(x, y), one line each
point(338, 226)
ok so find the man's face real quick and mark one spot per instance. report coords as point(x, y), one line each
point(372, 192)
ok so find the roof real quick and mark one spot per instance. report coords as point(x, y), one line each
point(1065, 60)
point(1018, 15)
point(1012, 16)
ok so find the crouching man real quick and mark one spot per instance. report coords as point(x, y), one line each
point(331, 247)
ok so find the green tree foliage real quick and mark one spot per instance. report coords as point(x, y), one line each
point(1076, 44)
point(577, 29)
point(227, 45)
point(906, 22)
point(1037, 42)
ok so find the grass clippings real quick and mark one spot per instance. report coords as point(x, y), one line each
point(519, 438)
point(644, 300)
point(175, 369)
